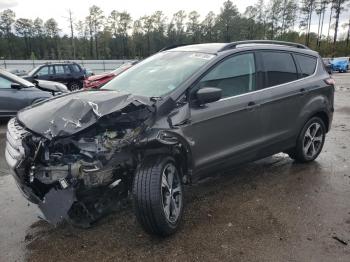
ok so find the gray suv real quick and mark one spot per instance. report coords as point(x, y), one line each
point(174, 117)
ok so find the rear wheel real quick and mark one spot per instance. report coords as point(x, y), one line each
point(310, 141)
point(158, 197)
point(74, 86)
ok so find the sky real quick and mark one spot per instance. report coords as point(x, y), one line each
point(58, 9)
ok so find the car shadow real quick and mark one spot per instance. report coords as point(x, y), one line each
point(235, 199)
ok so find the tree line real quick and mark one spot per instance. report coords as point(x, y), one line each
point(118, 36)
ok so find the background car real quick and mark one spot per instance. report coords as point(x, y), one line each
point(96, 81)
point(340, 64)
point(17, 93)
point(70, 74)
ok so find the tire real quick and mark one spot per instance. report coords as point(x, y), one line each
point(157, 207)
point(74, 86)
point(310, 141)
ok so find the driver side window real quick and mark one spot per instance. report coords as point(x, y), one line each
point(46, 70)
point(234, 76)
point(4, 83)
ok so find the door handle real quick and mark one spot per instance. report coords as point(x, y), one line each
point(252, 106)
point(302, 91)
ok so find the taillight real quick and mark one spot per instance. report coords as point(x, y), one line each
point(330, 81)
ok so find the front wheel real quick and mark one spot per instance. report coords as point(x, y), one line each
point(310, 141)
point(158, 197)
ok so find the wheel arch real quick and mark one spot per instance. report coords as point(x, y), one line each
point(171, 143)
point(319, 106)
point(324, 117)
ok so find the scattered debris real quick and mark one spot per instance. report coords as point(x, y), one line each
point(340, 240)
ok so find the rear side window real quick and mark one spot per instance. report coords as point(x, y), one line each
point(307, 64)
point(59, 69)
point(279, 68)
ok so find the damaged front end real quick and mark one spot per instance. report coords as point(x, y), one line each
point(77, 162)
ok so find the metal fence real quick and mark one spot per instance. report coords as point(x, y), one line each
point(96, 66)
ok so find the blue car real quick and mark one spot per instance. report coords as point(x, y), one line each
point(340, 64)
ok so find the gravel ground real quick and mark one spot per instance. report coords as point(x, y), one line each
point(269, 210)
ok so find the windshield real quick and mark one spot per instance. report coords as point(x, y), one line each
point(340, 59)
point(159, 74)
point(31, 72)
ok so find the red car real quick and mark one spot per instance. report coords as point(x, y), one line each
point(96, 81)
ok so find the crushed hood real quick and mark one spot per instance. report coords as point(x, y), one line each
point(69, 114)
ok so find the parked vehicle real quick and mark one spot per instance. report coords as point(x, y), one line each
point(167, 121)
point(340, 64)
point(17, 93)
point(96, 81)
point(70, 74)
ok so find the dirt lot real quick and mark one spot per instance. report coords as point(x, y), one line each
point(270, 210)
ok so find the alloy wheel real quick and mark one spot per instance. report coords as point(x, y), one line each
point(313, 139)
point(171, 193)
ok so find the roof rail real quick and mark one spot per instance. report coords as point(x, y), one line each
point(171, 47)
point(234, 45)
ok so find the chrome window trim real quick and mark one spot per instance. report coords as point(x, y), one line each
point(271, 87)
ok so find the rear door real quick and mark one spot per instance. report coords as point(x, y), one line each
point(282, 98)
point(230, 127)
point(62, 74)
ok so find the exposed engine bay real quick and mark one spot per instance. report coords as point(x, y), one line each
point(84, 175)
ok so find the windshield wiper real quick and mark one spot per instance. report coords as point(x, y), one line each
point(155, 98)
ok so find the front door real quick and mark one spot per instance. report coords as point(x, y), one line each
point(45, 73)
point(227, 131)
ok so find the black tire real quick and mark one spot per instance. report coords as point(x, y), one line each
point(74, 86)
point(149, 196)
point(302, 153)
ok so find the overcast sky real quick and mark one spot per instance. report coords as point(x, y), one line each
point(58, 8)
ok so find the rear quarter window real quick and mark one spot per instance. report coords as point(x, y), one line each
point(307, 64)
point(278, 68)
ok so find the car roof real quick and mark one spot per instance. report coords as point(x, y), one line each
point(211, 48)
point(215, 48)
point(59, 63)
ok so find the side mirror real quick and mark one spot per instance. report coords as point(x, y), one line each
point(16, 86)
point(208, 95)
point(35, 77)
